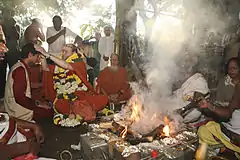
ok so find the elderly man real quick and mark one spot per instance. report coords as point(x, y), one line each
point(34, 33)
point(113, 82)
point(17, 100)
point(66, 85)
point(106, 47)
point(227, 133)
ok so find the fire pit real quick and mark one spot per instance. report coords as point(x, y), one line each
point(120, 139)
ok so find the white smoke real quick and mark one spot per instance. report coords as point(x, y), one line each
point(167, 38)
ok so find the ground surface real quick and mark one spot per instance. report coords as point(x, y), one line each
point(59, 139)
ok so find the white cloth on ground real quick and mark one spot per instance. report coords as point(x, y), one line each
point(195, 83)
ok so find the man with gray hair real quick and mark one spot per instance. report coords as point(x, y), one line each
point(106, 47)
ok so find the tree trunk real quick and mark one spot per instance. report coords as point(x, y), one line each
point(125, 21)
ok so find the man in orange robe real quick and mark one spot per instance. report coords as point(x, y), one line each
point(86, 102)
point(113, 82)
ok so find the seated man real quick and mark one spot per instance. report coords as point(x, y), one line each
point(226, 133)
point(66, 85)
point(17, 100)
point(113, 82)
point(15, 141)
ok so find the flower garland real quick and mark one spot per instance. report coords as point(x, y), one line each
point(228, 81)
point(66, 82)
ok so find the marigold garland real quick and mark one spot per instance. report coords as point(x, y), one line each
point(66, 82)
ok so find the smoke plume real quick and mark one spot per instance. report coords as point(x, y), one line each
point(168, 60)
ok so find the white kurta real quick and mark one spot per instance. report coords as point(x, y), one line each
point(55, 48)
point(105, 48)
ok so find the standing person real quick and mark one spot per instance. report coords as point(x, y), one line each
point(56, 36)
point(18, 101)
point(34, 33)
point(106, 47)
point(12, 39)
point(96, 53)
point(3, 64)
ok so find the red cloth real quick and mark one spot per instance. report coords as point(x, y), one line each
point(113, 82)
point(19, 90)
point(88, 103)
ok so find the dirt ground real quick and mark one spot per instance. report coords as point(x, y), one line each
point(58, 139)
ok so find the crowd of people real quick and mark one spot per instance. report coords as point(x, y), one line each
point(63, 80)
point(67, 79)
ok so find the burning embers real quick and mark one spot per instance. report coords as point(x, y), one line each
point(166, 129)
point(136, 114)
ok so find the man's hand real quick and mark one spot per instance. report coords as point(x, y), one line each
point(38, 133)
point(105, 58)
point(203, 104)
point(63, 31)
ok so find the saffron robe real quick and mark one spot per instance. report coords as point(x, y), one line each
point(88, 102)
point(114, 82)
point(18, 101)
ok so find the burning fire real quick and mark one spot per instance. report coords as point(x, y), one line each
point(136, 108)
point(123, 134)
point(166, 131)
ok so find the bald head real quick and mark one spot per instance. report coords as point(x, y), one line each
point(114, 60)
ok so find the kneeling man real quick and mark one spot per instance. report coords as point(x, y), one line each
point(17, 100)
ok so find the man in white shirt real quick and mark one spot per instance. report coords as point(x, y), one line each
point(106, 47)
point(57, 35)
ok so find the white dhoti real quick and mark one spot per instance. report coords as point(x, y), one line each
point(195, 83)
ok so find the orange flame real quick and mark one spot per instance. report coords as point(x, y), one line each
point(123, 134)
point(136, 108)
point(166, 131)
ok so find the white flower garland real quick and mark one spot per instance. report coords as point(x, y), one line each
point(228, 81)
